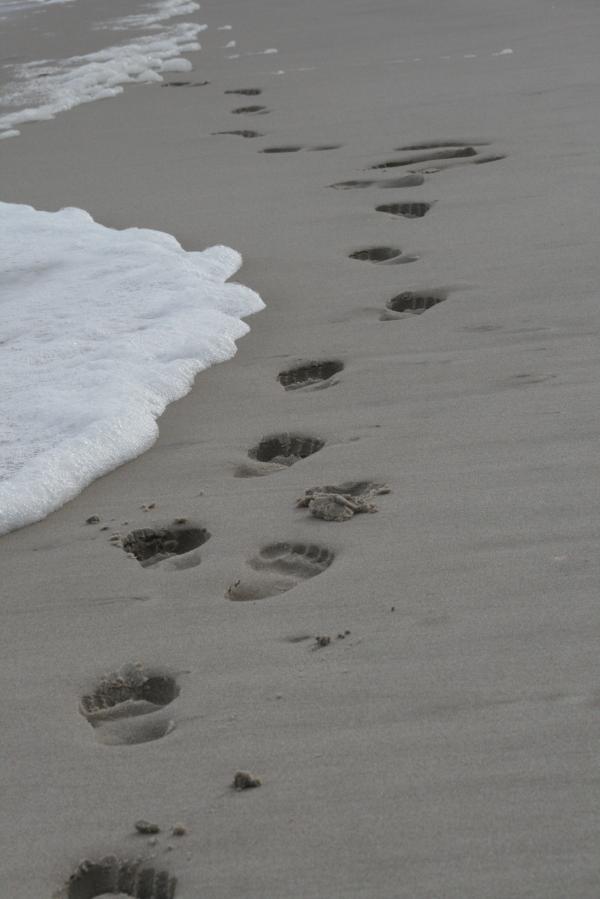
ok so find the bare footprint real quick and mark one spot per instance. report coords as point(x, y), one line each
point(117, 703)
point(288, 149)
point(409, 210)
point(242, 133)
point(277, 452)
point(427, 156)
point(295, 148)
point(250, 110)
point(389, 255)
point(153, 545)
point(280, 567)
point(310, 374)
point(412, 180)
point(413, 302)
point(246, 91)
point(185, 83)
point(442, 144)
point(112, 876)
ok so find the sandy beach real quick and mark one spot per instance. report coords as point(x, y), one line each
point(442, 744)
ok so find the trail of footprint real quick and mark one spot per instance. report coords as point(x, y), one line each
point(314, 375)
point(250, 110)
point(280, 567)
point(153, 545)
point(412, 180)
point(409, 210)
point(382, 256)
point(122, 877)
point(278, 451)
point(117, 703)
point(413, 302)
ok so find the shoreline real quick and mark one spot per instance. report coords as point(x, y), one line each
point(425, 753)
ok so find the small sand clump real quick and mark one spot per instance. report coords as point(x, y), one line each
point(245, 781)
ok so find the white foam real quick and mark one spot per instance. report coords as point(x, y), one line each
point(157, 12)
point(45, 88)
point(12, 6)
point(506, 52)
point(99, 330)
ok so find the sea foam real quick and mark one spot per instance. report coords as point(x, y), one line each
point(44, 88)
point(99, 330)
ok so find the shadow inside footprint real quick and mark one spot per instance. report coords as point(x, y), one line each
point(415, 302)
point(111, 875)
point(277, 452)
point(280, 567)
point(309, 374)
point(246, 91)
point(250, 110)
point(322, 147)
point(412, 210)
point(382, 255)
point(120, 699)
point(150, 545)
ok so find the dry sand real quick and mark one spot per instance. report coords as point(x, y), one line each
point(447, 747)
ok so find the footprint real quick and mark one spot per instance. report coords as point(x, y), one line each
point(413, 302)
point(246, 91)
point(453, 153)
point(280, 150)
point(441, 144)
point(411, 210)
point(250, 110)
point(277, 452)
point(241, 133)
point(123, 877)
point(185, 83)
point(280, 567)
point(310, 374)
point(382, 255)
point(412, 180)
point(294, 149)
point(114, 708)
point(324, 147)
point(150, 545)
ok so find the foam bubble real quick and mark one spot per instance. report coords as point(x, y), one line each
point(99, 330)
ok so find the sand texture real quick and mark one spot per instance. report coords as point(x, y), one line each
point(417, 690)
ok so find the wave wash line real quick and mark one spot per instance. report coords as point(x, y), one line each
point(99, 331)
